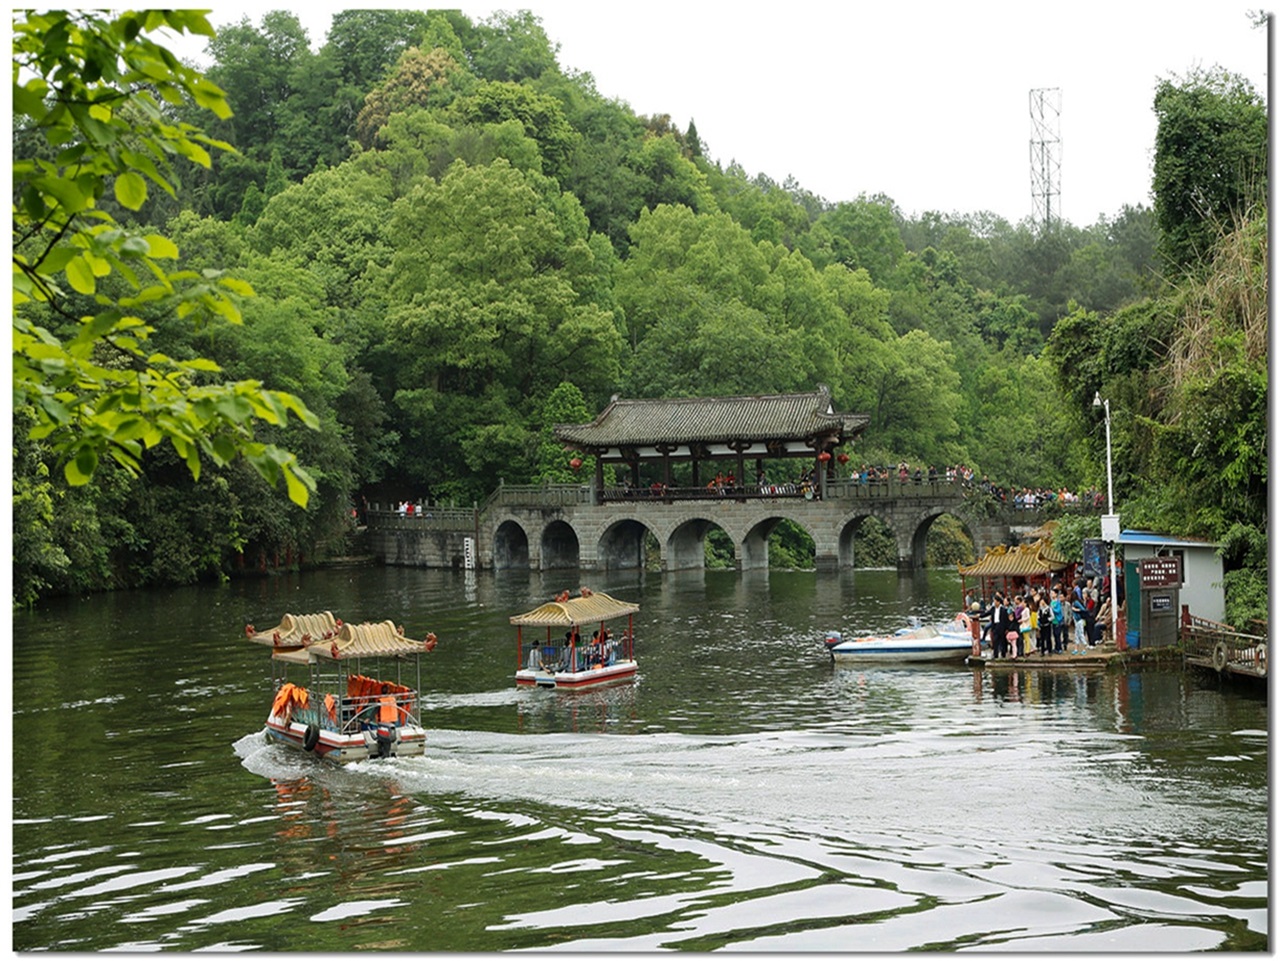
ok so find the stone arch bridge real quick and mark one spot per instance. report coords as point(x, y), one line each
point(571, 525)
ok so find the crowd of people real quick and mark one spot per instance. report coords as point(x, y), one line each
point(1058, 619)
point(1020, 498)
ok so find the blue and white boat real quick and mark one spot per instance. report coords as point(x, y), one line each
point(911, 645)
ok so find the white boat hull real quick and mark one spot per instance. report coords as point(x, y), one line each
point(617, 672)
point(912, 646)
point(405, 740)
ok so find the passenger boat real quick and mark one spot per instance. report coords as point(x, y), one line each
point(336, 711)
point(563, 656)
point(910, 645)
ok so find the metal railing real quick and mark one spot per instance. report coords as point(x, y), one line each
point(1222, 647)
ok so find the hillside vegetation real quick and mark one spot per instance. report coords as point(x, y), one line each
point(452, 244)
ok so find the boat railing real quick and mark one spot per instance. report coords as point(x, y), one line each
point(351, 715)
point(555, 657)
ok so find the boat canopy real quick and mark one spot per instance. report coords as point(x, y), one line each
point(382, 639)
point(572, 612)
point(293, 627)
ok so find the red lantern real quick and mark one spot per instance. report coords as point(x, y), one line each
point(842, 458)
point(575, 463)
point(825, 456)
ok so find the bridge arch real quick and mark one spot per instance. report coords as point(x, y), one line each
point(510, 546)
point(753, 545)
point(916, 540)
point(849, 526)
point(686, 544)
point(560, 547)
point(621, 545)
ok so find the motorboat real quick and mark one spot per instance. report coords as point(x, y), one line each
point(917, 644)
point(562, 655)
point(327, 705)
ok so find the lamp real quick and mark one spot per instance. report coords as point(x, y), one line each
point(1111, 521)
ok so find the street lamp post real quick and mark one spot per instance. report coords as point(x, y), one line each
point(1111, 522)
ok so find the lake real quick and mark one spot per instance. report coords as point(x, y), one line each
point(744, 793)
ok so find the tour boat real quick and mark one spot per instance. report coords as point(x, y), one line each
point(340, 713)
point(572, 660)
point(928, 643)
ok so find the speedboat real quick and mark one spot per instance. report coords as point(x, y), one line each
point(573, 661)
point(927, 643)
point(333, 709)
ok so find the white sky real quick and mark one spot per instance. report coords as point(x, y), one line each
point(926, 102)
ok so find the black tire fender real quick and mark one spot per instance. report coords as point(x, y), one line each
point(311, 738)
point(1220, 656)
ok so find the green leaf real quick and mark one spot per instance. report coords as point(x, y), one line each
point(131, 190)
point(161, 247)
point(79, 470)
point(298, 483)
point(80, 276)
point(66, 192)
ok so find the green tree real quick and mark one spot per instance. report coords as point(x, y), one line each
point(1210, 161)
point(564, 405)
point(541, 116)
point(486, 317)
point(513, 47)
point(860, 233)
point(420, 79)
point(255, 66)
point(82, 358)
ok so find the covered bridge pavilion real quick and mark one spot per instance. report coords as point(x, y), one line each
point(709, 431)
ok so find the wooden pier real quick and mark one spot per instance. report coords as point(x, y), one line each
point(1219, 647)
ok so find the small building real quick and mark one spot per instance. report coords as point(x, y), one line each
point(1201, 590)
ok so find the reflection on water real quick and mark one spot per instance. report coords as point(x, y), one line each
point(743, 793)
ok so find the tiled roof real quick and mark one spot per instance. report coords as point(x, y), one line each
point(762, 417)
point(1025, 561)
point(590, 609)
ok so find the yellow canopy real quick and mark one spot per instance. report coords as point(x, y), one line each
point(590, 609)
point(382, 639)
point(1026, 560)
point(293, 627)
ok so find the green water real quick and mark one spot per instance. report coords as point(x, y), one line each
point(743, 793)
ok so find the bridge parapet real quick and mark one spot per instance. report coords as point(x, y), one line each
point(565, 524)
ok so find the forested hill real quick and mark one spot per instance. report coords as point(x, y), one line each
point(455, 244)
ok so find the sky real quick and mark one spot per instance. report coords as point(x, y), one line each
point(927, 103)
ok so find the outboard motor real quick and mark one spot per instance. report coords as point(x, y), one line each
point(386, 737)
point(832, 639)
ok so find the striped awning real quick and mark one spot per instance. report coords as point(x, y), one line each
point(589, 609)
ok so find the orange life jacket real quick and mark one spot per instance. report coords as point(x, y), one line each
point(387, 709)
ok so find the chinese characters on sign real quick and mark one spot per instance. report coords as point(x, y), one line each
point(1160, 571)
